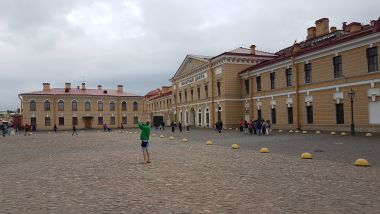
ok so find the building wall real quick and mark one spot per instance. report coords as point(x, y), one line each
point(67, 113)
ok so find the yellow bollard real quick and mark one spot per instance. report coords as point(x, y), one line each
point(184, 140)
point(171, 138)
point(161, 136)
point(235, 146)
point(361, 162)
point(264, 150)
point(306, 155)
point(209, 142)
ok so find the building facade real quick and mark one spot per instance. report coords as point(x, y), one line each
point(308, 85)
point(208, 89)
point(82, 107)
point(159, 104)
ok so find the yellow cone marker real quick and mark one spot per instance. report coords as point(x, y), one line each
point(184, 140)
point(280, 131)
point(361, 162)
point(161, 136)
point(317, 132)
point(171, 138)
point(235, 146)
point(333, 133)
point(297, 131)
point(264, 150)
point(304, 132)
point(153, 135)
point(291, 131)
point(209, 142)
point(306, 155)
point(343, 133)
point(368, 134)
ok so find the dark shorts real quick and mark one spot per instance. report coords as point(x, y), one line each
point(144, 144)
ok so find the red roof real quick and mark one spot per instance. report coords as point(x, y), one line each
point(169, 93)
point(84, 92)
point(153, 93)
point(311, 48)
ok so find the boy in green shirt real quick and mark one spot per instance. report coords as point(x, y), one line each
point(144, 137)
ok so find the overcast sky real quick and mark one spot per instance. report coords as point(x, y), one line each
point(141, 44)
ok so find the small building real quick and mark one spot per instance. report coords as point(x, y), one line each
point(83, 107)
point(159, 104)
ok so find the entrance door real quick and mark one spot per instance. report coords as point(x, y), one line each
point(87, 123)
point(158, 120)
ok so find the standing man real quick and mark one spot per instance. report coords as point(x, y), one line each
point(173, 126)
point(55, 128)
point(74, 130)
point(180, 126)
point(144, 137)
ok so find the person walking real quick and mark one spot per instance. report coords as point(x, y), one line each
point(180, 126)
point(250, 126)
point(173, 126)
point(241, 125)
point(55, 128)
point(163, 125)
point(74, 130)
point(144, 137)
point(245, 127)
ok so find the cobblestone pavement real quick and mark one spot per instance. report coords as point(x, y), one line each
point(104, 173)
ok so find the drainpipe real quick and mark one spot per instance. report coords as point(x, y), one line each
point(212, 96)
point(296, 87)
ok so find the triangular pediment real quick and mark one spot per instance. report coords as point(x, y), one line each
point(189, 63)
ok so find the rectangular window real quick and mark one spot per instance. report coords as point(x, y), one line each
point(61, 121)
point(288, 74)
point(112, 106)
point(272, 77)
point(290, 115)
point(246, 86)
point(199, 93)
point(100, 106)
point(47, 121)
point(307, 69)
point(112, 120)
point(218, 88)
point(337, 62)
point(206, 90)
point(100, 120)
point(259, 116)
point(258, 83)
point(32, 105)
point(309, 114)
point(372, 60)
point(74, 106)
point(75, 121)
point(273, 114)
point(124, 120)
point(339, 113)
point(135, 120)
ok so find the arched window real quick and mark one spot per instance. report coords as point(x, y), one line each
point(61, 105)
point(100, 105)
point(47, 105)
point(87, 105)
point(32, 105)
point(123, 106)
point(74, 105)
point(135, 106)
point(199, 117)
point(207, 118)
point(112, 106)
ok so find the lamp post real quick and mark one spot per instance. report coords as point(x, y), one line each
point(351, 95)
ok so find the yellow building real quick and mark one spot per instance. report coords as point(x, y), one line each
point(82, 107)
point(308, 85)
point(208, 89)
point(159, 104)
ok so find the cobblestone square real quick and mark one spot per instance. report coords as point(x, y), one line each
point(103, 172)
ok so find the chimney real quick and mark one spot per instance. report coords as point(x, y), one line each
point(253, 49)
point(78, 87)
point(354, 27)
point(310, 33)
point(322, 27)
point(332, 29)
point(99, 87)
point(166, 89)
point(344, 26)
point(119, 88)
point(46, 86)
point(296, 47)
point(83, 86)
point(67, 85)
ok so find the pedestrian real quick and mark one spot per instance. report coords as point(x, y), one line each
point(250, 126)
point(55, 128)
point(258, 127)
point(2, 129)
point(267, 128)
point(245, 127)
point(163, 125)
point(144, 137)
point(263, 127)
point(173, 126)
point(254, 126)
point(241, 125)
point(180, 126)
point(74, 130)
point(219, 126)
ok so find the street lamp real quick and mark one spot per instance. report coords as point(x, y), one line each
point(351, 95)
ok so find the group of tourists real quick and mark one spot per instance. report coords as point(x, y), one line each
point(6, 129)
point(258, 127)
point(174, 124)
point(219, 126)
